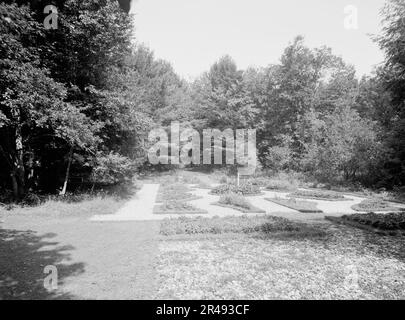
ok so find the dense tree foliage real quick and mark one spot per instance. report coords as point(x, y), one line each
point(79, 99)
point(392, 41)
point(77, 103)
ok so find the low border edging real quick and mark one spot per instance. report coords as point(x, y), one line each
point(178, 212)
point(245, 195)
point(160, 200)
point(321, 199)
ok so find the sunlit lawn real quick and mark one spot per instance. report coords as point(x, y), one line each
point(320, 263)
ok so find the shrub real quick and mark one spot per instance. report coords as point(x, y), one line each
point(247, 188)
point(223, 189)
point(342, 145)
point(112, 168)
point(281, 185)
point(31, 199)
point(389, 221)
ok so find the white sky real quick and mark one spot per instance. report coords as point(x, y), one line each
point(193, 34)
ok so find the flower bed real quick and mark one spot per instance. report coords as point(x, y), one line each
point(175, 192)
point(237, 202)
point(318, 195)
point(299, 205)
point(391, 223)
point(246, 189)
point(177, 207)
point(375, 205)
point(176, 197)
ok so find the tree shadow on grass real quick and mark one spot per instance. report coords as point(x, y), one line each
point(344, 239)
point(23, 258)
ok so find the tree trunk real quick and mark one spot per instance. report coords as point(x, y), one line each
point(14, 185)
point(19, 171)
point(30, 171)
point(63, 192)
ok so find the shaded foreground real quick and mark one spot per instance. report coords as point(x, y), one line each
point(94, 260)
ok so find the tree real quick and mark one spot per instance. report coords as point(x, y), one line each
point(340, 145)
point(393, 78)
point(221, 98)
point(32, 104)
point(306, 79)
point(57, 102)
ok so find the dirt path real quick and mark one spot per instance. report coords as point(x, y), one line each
point(140, 208)
point(94, 260)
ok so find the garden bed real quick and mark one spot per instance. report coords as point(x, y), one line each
point(318, 195)
point(237, 202)
point(252, 209)
point(177, 207)
point(175, 192)
point(265, 224)
point(247, 189)
point(388, 224)
point(299, 205)
point(375, 205)
point(177, 197)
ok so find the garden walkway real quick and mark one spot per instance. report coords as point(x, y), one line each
point(140, 208)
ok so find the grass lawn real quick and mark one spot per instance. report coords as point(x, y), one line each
point(299, 205)
point(236, 258)
point(267, 225)
point(55, 209)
